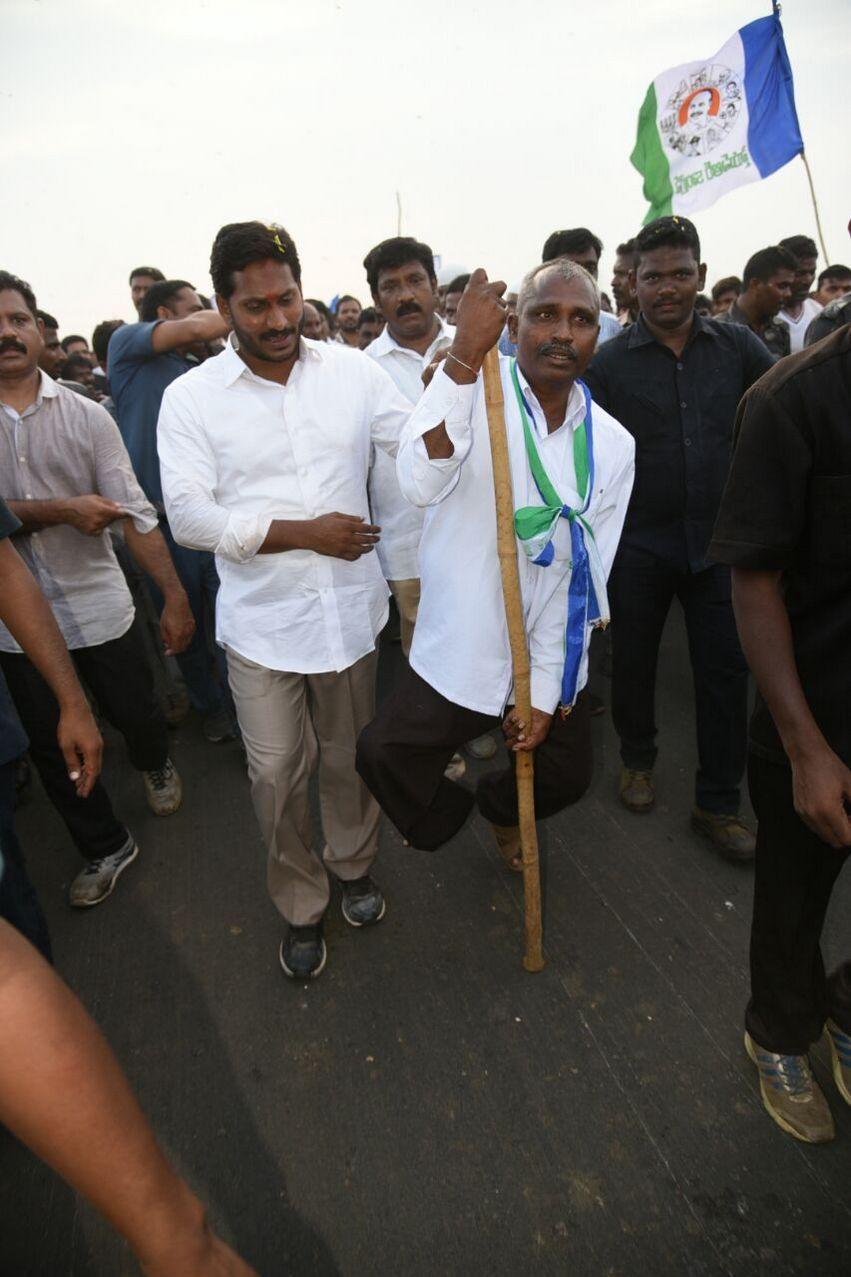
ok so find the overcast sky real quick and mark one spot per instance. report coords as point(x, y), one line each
point(130, 133)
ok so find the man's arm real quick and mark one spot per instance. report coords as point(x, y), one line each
point(821, 781)
point(89, 514)
point(204, 325)
point(63, 1093)
point(151, 553)
point(27, 615)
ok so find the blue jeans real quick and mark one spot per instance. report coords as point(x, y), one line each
point(203, 663)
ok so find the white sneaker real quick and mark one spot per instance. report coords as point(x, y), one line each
point(97, 881)
point(163, 789)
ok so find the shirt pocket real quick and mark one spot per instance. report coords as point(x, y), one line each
point(830, 518)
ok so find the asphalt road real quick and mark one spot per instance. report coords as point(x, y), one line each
point(427, 1107)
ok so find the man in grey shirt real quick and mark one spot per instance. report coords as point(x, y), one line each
point(67, 477)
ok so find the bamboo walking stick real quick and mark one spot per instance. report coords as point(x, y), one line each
point(533, 957)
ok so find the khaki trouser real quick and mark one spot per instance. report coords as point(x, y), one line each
point(287, 720)
point(407, 596)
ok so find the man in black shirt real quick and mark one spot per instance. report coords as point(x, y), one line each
point(768, 284)
point(674, 379)
point(785, 527)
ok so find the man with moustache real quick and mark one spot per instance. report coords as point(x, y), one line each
point(572, 467)
point(768, 281)
point(625, 307)
point(265, 453)
point(348, 314)
point(674, 379)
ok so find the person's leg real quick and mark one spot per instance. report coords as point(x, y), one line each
point(641, 588)
point(90, 821)
point(196, 666)
point(19, 903)
point(120, 678)
point(341, 705)
point(795, 873)
point(402, 756)
point(839, 996)
point(720, 688)
point(407, 596)
point(280, 746)
point(563, 767)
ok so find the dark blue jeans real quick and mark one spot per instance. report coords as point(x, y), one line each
point(18, 901)
point(203, 663)
point(641, 590)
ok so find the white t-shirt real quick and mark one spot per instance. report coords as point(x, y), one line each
point(798, 327)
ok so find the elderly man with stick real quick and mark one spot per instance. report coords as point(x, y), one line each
point(572, 470)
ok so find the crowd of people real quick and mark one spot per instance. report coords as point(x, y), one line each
point(255, 476)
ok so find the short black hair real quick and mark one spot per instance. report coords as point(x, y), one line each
point(834, 272)
point(10, 282)
point(560, 243)
point(725, 285)
point(767, 262)
point(321, 307)
point(152, 271)
point(66, 341)
point(667, 232)
point(101, 336)
point(390, 254)
point(239, 244)
point(347, 297)
point(626, 249)
point(77, 359)
point(368, 315)
point(458, 284)
point(800, 245)
point(160, 294)
point(47, 319)
point(702, 302)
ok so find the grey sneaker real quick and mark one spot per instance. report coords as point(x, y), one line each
point(97, 881)
point(483, 747)
point(163, 789)
point(363, 902)
point(221, 726)
point(791, 1094)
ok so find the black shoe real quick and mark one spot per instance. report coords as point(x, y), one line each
point(363, 903)
point(302, 953)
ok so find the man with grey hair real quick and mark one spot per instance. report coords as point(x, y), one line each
point(572, 469)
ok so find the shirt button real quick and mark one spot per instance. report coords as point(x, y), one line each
point(687, 442)
point(683, 403)
point(679, 367)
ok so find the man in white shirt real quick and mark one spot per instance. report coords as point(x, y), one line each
point(802, 309)
point(265, 453)
point(569, 458)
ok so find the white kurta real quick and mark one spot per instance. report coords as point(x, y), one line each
point(460, 643)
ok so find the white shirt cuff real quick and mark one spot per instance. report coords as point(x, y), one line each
point(243, 536)
point(546, 689)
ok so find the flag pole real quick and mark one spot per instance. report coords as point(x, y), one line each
point(815, 208)
point(533, 957)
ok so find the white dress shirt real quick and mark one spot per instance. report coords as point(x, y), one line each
point(460, 642)
point(401, 523)
point(237, 451)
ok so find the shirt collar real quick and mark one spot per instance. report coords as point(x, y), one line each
point(572, 417)
point(235, 366)
point(47, 389)
point(384, 343)
point(640, 334)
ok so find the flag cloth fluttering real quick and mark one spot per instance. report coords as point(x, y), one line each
point(706, 127)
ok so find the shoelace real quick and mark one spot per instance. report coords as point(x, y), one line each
point(792, 1073)
point(160, 776)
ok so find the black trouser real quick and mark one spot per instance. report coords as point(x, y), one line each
point(795, 871)
point(120, 679)
point(18, 901)
point(641, 590)
point(404, 752)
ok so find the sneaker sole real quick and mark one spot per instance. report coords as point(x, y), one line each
point(292, 975)
point(89, 904)
point(736, 857)
point(776, 1117)
point(637, 811)
point(171, 811)
point(373, 921)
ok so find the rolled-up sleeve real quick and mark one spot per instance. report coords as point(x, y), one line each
point(114, 474)
point(188, 471)
point(425, 480)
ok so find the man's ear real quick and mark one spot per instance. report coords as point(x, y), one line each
point(223, 308)
point(512, 326)
point(701, 276)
